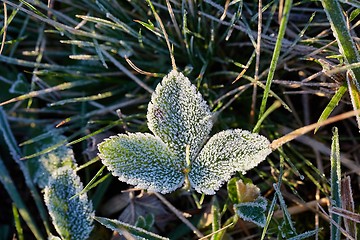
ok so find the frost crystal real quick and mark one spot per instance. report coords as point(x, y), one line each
point(178, 114)
point(142, 160)
point(72, 218)
point(253, 211)
point(45, 164)
point(179, 117)
point(224, 154)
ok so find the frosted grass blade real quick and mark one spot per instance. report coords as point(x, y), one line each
point(121, 227)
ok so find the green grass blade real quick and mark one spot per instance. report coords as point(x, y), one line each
point(122, 227)
point(15, 152)
point(354, 96)
point(275, 57)
point(341, 32)
point(216, 223)
point(92, 182)
point(9, 186)
point(273, 107)
point(19, 229)
point(335, 184)
point(332, 104)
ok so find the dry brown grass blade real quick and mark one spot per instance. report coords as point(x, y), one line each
point(301, 131)
point(322, 148)
point(348, 205)
point(303, 207)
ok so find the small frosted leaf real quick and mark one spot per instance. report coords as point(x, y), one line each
point(178, 114)
point(142, 160)
point(71, 217)
point(253, 211)
point(43, 165)
point(20, 86)
point(224, 154)
point(120, 227)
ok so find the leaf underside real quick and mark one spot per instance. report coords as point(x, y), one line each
point(224, 154)
point(143, 160)
point(178, 114)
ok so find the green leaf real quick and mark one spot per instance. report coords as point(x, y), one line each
point(181, 122)
point(43, 166)
point(224, 154)
point(71, 217)
point(232, 190)
point(142, 160)
point(253, 211)
point(20, 85)
point(178, 114)
point(122, 227)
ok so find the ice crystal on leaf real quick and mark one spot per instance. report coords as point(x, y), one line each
point(71, 217)
point(225, 153)
point(142, 160)
point(253, 211)
point(44, 165)
point(179, 117)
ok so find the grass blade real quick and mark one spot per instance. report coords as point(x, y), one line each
point(335, 183)
point(332, 104)
point(275, 57)
point(19, 229)
point(124, 228)
point(341, 32)
point(15, 152)
point(9, 186)
point(354, 95)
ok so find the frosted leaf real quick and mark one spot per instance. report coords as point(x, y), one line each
point(224, 154)
point(179, 117)
point(252, 211)
point(178, 114)
point(42, 166)
point(142, 160)
point(72, 218)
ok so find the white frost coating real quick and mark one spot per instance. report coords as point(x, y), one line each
point(253, 211)
point(72, 219)
point(136, 232)
point(49, 162)
point(224, 154)
point(179, 115)
point(142, 160)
